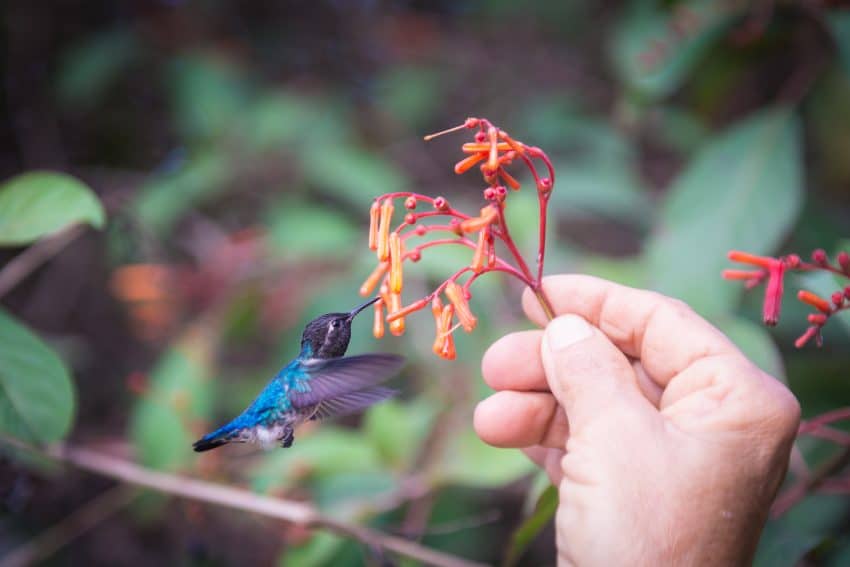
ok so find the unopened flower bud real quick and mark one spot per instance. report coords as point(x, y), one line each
point(410, 203)
point(819, 257)
point(410, 218)
point(421, 230)
point(441, 204)
point(814, 300)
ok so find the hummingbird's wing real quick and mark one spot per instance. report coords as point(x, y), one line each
point(331, 378)
point(352, 402)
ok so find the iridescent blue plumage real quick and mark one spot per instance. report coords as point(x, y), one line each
point(319, 383)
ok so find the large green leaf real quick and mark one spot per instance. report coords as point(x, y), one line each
point(743, 190)
point(352, 174)
point(178, 398)
point(655, 49)
point(300, 230)
point(755, 342)
point(38, 203)
point(596, 164)
point(162, 200)
point(36, 392)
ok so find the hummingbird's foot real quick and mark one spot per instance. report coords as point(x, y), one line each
point(288, 438)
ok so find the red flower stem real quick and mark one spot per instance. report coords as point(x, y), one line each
point(827, 418)
point(509, 243)
point(501, 264)
point(807, 267)
point(543, 199)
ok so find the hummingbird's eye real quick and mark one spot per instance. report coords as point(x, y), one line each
point(336, 323)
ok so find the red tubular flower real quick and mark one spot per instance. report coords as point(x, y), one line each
point(773, 293)
point(774, 270)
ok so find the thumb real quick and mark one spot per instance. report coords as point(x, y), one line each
point(587, 374)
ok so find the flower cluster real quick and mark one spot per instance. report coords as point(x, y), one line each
point(773, 270)
point(493, 150)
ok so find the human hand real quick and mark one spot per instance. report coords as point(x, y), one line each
point(666, 443)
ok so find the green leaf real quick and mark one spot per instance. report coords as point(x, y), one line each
point(39, 203)
point(743, 190)
point(161, 201)
point(179, 396)
point(409, 94)
point(596, 164)
point(352, 174)
point(36, 392)
point(470, 461)
point(397, 429)
point(755, 342)
point(656, 49)
point(89, 69)
point(839, 25)
point(524, 535)
point(298, 230)
point(208, 95)
point(319, 550)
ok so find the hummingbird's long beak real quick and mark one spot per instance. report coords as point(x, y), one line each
point(357, 310)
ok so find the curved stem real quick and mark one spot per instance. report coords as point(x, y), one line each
point(505, 235)
point(237, 499)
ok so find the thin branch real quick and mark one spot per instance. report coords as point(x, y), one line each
point(806, 486)
point(82, 520)
point(239, 499)
point(33, 257)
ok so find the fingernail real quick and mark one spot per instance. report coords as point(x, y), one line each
point(567, 330)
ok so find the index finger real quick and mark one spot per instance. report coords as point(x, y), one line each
point(664, 333)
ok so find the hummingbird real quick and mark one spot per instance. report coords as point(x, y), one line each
point(319, 383)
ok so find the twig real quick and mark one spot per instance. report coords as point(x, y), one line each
point(808, 485)
point(27, 261)
point(239, 499)
point(70, 528)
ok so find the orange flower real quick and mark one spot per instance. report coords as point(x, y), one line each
point(489, 214)
point(374, 216)
point(384, 229)
point(481, 253)
point(374, 278)
point(465, 164)
point(378, 324)
point(397, 325)
point(456, 295)
point(395, 263)
point(815, 301)
point(443, 342)
point(407, 310)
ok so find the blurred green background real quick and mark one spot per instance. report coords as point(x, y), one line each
point(235, 148)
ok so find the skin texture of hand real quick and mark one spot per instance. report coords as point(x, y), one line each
point(666, 443)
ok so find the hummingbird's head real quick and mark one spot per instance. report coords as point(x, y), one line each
point(327, 336)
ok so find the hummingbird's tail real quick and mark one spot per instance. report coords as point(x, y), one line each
point(217, 438)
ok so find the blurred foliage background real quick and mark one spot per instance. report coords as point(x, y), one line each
point(228, 153)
